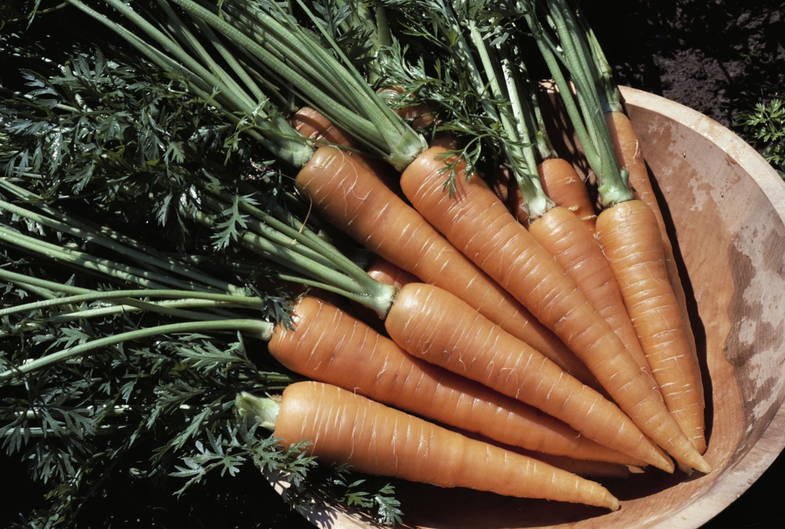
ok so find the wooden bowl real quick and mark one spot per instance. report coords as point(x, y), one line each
point(726, 208)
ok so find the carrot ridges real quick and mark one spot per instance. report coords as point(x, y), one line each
point(328, 345)
point(627, 148)
point(352, 198)
point(630, 238)
point(477, 223)
point(347, 428)
point(473, 347)
point(569, 240)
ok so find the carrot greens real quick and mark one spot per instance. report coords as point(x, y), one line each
point(92, 315)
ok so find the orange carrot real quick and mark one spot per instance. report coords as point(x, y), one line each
point(346, 428)
point(477, 223)
point(585, 468)
point(350, 197)
point(386, 272)
point(582, 467)
point(315, 126)
point(628, 152)
point(630, 238)
point(433, 325)
point(328, 345)
point(568, 238)
point(563, 185)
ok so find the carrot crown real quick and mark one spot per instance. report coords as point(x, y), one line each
point(186, 292)
point(563, 46)
point(289, 54)
point(478, 54)
point(263, 411)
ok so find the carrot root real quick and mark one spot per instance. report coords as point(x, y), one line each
point(439, 328)
point(328, 345)
point(628, 152)
point(347, 428)
point(567, 238)
point(477, 223)
point(351, 197)
point(629, 236)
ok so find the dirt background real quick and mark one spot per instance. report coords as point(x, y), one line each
point(719, 57)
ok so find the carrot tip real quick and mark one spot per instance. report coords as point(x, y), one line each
point(692, 461)
point(703, 466)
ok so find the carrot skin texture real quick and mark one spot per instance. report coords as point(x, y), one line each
point(477, 223)
point(627, 149)
point(313, 125)
point(434, 325)
point(350, 197)
point(386, 272)
point(567, 238)
point(629, 236)
point(328, 345)
point(344, 427)
point(563, 185)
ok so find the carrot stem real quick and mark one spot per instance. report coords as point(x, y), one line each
point(260, 329)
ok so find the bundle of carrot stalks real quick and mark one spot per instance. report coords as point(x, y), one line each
point(532, 320)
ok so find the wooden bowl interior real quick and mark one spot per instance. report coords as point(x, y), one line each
point(725, 209)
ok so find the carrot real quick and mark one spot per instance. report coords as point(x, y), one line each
point(350, 197)
point(627, 149)
point(581, 467)
point(563, 185)
point(568, 238)
point(433, 325)
point(477, 223)
point(313, 125)
point(386, 272)
point(345, 428)
point(630, 238)
point(329, 345)
point(585, 468)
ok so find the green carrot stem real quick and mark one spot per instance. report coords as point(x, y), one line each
point(263, 411)
point(169, 308)
point(105, 266)
point(349, 281)
point(121, 295)
point(104, 237)
point(256, 328)
point(518, 138)
point(612, 181)
point(546, 47)
point(306, 67)
point(277, 135)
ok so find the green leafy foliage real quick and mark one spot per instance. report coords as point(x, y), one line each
point(764, 128)
point(131, 150)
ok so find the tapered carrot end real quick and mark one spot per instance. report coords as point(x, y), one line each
point(698, 463)
point(663, 462)
point(613, 503)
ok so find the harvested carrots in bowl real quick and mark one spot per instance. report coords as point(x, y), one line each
point(603, 349)
point(741, 416)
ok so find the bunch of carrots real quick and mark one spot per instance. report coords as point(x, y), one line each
point(534, 326)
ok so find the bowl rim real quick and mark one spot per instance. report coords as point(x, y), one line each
point(754, 463)
point(751, 465)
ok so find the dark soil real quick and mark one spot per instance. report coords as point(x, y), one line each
point(718, 57)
